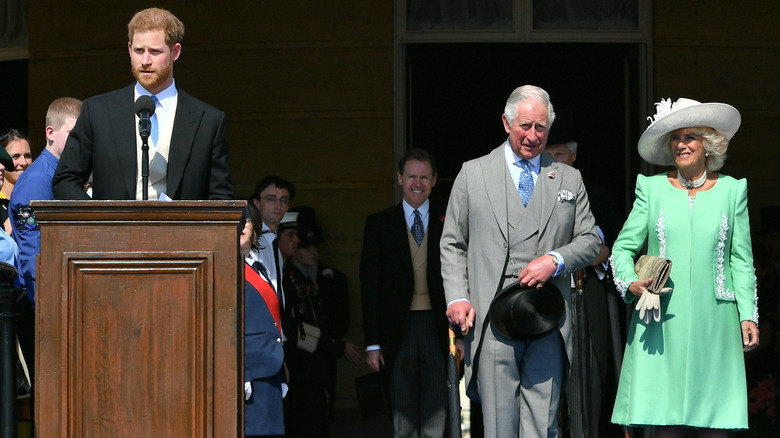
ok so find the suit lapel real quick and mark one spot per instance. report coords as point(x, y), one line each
point(185, 126)
point(401, 238)
point(547, 186)
point(495, 186)
point(125, 135)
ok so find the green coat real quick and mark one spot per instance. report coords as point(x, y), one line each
point(688, 369)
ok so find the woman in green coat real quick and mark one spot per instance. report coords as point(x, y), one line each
point(683, 364)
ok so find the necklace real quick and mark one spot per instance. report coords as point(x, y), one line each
point(690, 185)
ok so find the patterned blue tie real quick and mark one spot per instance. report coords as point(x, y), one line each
point(526, 185)
point(417, 228)
point(155, 131)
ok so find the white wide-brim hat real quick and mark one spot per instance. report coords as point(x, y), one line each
point(684, 113)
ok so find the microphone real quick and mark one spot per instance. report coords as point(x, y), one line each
point(144, 107)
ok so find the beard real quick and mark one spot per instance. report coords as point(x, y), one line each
point(157, 79)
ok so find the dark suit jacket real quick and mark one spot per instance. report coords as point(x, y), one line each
point(103, 141)
point(387, 279)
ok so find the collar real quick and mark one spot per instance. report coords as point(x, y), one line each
point(423, 209)
point(164, 97)
point(513, 160)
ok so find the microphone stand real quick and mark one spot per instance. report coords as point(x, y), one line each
point(145, 167)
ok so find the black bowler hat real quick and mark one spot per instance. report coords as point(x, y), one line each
point(524, 313)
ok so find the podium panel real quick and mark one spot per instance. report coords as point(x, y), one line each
point(138, 321)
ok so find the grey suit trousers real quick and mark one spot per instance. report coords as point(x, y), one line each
point(536, 367)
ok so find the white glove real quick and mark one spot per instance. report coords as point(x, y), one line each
point(247, 390)
point(649, 304)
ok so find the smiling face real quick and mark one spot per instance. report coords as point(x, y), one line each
point(151, 59)
point(417, 181)
point(528, 132)
point(688, 152)
point(20, 152)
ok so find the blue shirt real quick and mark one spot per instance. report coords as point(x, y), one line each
point(33, 184)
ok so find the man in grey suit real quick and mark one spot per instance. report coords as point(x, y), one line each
point(518, 208)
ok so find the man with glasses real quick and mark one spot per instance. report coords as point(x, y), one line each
point(268, 205)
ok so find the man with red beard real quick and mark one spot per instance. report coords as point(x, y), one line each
point(188, 151)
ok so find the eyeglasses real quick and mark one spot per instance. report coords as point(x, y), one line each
point(271, 199)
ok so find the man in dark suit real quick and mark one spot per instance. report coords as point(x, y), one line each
point(188, 151)
point(403, 301)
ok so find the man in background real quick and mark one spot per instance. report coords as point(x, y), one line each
point(403, 301)
point(35, 184)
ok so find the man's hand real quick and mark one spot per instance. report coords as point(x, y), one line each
point(749, 335)
point(538, 271)
point(374, 359)
point(462, 314)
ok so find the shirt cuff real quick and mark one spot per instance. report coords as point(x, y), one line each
point(373, 347)
point(559, 258)
point(458, 300)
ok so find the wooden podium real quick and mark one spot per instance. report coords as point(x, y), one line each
point(138, 319)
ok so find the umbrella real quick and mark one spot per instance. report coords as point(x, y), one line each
point(453, 379)
point(583, 348)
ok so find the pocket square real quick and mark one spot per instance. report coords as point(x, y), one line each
point(565, 196)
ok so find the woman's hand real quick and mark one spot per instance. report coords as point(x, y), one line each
point(639, 287)
point(749, 335)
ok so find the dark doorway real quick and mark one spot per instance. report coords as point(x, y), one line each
point(13, 88)
point(457, 94)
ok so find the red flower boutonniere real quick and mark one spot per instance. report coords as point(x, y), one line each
point(551, 175)
point(441, 218)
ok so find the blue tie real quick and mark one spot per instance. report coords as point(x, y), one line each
point(155, 131)
point(417, 228)
point(526, 185)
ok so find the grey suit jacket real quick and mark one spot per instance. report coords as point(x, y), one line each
point(478, 229)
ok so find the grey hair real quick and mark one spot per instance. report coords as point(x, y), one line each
point(715, 143)
point(524, 93)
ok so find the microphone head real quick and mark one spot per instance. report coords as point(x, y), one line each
point(144, 103)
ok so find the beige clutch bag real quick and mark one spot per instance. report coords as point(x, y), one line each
point(657, 268)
